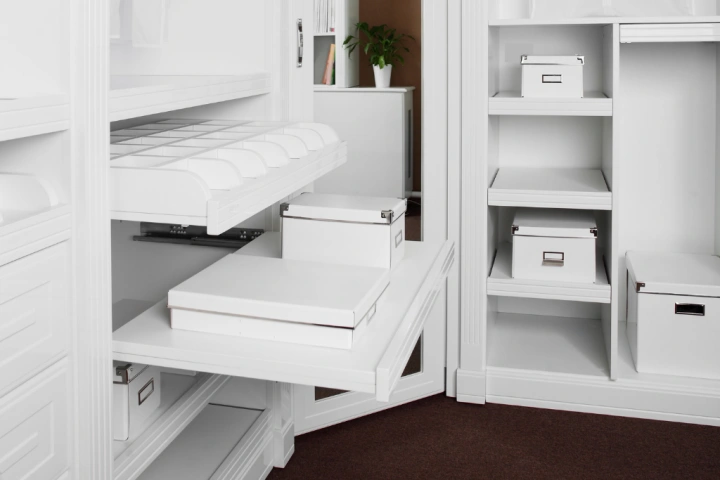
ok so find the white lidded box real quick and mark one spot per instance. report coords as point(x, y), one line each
point(554, 245)
point(673, 313)
point(349, 230)
point(310, 303)
point(557, 76)
point(136, 396)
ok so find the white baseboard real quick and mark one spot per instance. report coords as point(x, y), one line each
point(470, 383)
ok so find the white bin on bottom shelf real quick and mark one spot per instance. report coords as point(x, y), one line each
point(136, 396)
point(674, 313)
point(299, 302)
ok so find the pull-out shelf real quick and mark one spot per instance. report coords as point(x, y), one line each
point(373, 365)
point(215, 173)
point(25, 116)
point(670, 33)
point(31, 216)
point(595, 104)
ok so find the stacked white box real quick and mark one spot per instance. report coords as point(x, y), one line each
point(552, 76)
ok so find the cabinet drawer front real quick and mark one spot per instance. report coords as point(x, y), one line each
point(34, 314)
point(34, 427)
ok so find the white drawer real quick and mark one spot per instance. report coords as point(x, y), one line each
point(34, 427)
point(34, 314)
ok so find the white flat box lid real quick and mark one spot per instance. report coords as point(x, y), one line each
point(345, 208)
point(572, 60)
point(540, 222)
point(676, 273)
point(288, 290)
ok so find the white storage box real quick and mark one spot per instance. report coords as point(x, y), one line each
point(554, 245)
point(673, 313)
point(136, 395)
point(309, 303)
point(552, 76)
point(366, 231)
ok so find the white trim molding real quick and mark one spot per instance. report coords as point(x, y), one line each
point(89, 137)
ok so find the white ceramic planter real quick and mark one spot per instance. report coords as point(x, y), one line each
point(382, 76)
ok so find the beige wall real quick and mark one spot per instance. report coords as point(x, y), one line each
point(405, 16)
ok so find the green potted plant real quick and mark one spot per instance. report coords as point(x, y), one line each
point(383, 46)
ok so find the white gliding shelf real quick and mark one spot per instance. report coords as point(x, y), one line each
point(182, 399)
point(140, 95)
point(670, 33)
point(571, 188)
point(374, 365)
point(215, 173)
point(26, 116)
point(502, 284)
point(519, 22)
point(595, 104)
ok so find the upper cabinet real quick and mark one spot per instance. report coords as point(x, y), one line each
point(36, 68)
point(168, 55)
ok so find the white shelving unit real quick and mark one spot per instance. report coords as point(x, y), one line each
point(641, 153)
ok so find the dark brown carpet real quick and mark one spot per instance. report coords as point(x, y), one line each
point(440, 438)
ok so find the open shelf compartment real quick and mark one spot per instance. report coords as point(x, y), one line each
point(215, 173)
point(134, 96)
point(570, 188)
point(502, 284)
point(183, 399)
point(374, 364)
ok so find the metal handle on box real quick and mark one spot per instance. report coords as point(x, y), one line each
point(553, 259)
point(555, 78)
point(692, 309)
point(399, 238)
point(300, 43)
point(143, 395)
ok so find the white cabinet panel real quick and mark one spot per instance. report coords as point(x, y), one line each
point(34, 313)
point(34, 427)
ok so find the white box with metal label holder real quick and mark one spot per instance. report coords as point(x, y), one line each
point(545, 76)
point(554, 245)
point(309, 303)
point(366, 231)
point(673, 313)
point(136, 395)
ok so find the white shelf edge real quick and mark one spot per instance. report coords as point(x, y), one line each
point(519, 22)
point(372, 366)
point(539, 198)
point(130, 464)
point(34, 233)
point(30, 116)
point(165, 96)
point(248, 454)
point(670, 33)
point(502, 285)
point(336, 89)
point(595, 104)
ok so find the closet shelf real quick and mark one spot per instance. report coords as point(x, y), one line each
point(570, 188)
point(26, 116)
point(140, 95)
point(31, 216)
point(512, 22)
point(670, 33)
point(374, 365)
point(501, 284)
point(547, 345)
point(222, 443)
point(183, 398)
point(215, 173)
point(595, 104)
